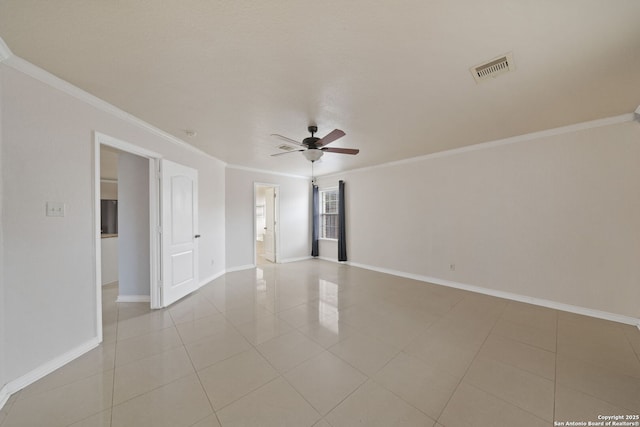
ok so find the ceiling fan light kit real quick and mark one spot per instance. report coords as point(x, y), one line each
point(313, 147)
point(312, 154)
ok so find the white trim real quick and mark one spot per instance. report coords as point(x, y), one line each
point(276, 214)
point(499, 142)
point(211, 278)
point(5, 53)
point(17, 63)
point(302, 258)
point(4, 396)
point(97, 233)
point(133, 298)
point(45, 369)
point(44, 76)
point(154, 218)
point(248, 169)
point(240, 268)
point(125, 146)
point(155, 233)
point(502, 294)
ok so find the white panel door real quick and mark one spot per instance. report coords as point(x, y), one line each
point(179, 223)
point(270, 224)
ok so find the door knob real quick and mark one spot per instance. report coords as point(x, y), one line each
point(197, 236)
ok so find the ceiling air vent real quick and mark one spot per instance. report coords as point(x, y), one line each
point(495, 67)
point(285, 147)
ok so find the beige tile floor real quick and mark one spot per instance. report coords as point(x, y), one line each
point(321, 344)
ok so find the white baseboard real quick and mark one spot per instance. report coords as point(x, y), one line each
point(240, 268)
point(288, 260)
point(506, 295)
point(133, 298)
point(45, 369)
point(211, 278)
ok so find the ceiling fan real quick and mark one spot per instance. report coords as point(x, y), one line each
point(314, 147)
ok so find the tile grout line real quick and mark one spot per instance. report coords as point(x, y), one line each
point(488, 392)
point(115, 358)
point(7, 408)
point(326, 349)
point(600, 398)
point(255, 348)
point(137, 360)
point(495, 322)
point(522, 341)
point(194, 367)
point(636, 352)
point(282, 374)
point(403, 352)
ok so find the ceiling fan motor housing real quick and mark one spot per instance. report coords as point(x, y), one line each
point(315, 146)
point(310, 141)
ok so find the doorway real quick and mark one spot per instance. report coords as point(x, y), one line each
point(266, 227)
point(138, 213)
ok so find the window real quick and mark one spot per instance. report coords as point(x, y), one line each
point(329, 214)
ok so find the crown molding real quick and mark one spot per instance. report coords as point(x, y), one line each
point(49, 79)
point(244, 168)
point(5, 52)
point(624, 118)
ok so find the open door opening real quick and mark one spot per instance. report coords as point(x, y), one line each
point(126, 212)
point(266, 240)
point(161, 247)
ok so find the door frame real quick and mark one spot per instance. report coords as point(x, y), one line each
point(276, 216)
point(154, 218)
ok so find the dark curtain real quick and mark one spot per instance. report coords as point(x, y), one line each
point(342, 234)
point(315, 224)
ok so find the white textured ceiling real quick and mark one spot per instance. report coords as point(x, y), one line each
point(393, 75)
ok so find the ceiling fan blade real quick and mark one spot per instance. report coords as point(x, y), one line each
point(289, 140)
point(286, 152)
point(330, 137)
point(341, 150)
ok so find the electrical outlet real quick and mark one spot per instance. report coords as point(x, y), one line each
point(452, 267)
point(55, 209)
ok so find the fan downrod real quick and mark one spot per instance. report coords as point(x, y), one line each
point(312, 129)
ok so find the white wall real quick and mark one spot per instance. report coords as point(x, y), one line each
point(49, 263)
point(109, 264)
point(133, 226)
point(294, 205)
point(554, 218)
point(3, 344)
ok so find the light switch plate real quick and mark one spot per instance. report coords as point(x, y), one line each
point(55, 209)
